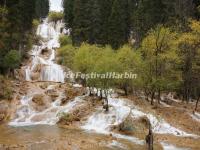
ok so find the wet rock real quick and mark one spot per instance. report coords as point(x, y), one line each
point(35, 76)
point(130, 125)
point(39, 99)
point(67, 118)
point(45, 51)
point(37, 68)
point(64, 100)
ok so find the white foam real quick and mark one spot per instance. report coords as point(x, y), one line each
point(167, 146)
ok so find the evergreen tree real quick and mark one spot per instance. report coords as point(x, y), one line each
point(117, 24)
point(81, 23)
point(68, 12)
point(41, 8)
point(147, 15)
point(105, 9)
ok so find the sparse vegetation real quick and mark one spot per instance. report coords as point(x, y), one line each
point(6, 89)
point(55, 16)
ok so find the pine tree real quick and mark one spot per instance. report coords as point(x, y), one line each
point(41, 8)
point(117, 24)
point(95, 22)
point(105, 9)
point(68, 12)
point(147, 15)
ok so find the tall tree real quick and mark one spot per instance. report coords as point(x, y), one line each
point(68, 12)
point(148, 14)
point(117, 24)
point(41, 8)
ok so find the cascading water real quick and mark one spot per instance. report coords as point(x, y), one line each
point(49, 71)
point(44, 69)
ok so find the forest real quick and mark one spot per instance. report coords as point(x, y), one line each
point(161, 36)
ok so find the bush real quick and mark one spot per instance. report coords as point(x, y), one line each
point(66, 55)
point(66, 118)
point(65, 40)
point(35, 24)
point(55, 16)
point(12, 59)
point(5, 89)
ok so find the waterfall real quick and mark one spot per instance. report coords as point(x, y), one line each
point(49, 71)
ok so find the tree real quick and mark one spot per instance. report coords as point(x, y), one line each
point(188, 45)
point(41, 8)
point(81, 22)
point(117, 24)
point(66, 55)
point(68, 12)
point(129, 61)
point(12, 60)
point(148, 14)
point(160, 57)
point(55, 16)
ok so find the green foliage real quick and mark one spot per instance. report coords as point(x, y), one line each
point(35, 23)
point(55, 16)
point(5, 89)
point(160, 61)
point(17, 26)
point(65, 40)
point(117, 24)
point(68, 12)
point(188, 49)
point(41, 8)
point(129, 61)
point(66, 55)
point(12, 59)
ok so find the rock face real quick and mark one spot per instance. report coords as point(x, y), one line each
point(131, 125)
point(40, 102)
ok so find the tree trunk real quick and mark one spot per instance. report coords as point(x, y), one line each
point(146, 95)
point(159, 98)
point(126, 90)
point(97, 92)
point(90, 93)
point(149, 139)
point(106, 105)
point(196, 104)
point(152, 97)
point(101, 94)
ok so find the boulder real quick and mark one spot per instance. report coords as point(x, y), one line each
point(131, 125)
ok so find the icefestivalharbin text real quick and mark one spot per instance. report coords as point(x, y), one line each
point(107, 75)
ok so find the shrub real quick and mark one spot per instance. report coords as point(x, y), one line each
point(65, 40)
point(66, 55)
point(66, 118)
point(55, 16)
point(12, 59)
point(5, 89)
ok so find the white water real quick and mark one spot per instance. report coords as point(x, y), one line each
point(103, 122)
point(160, 126)
point(196, 116)
point(27, 116)
point(49, 71)
point(167, 146)
point(56, 5)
